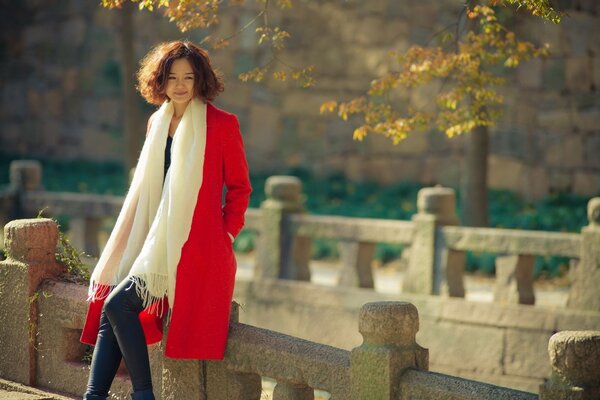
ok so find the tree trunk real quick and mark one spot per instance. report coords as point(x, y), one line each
point(474, 201)
point(131, 133)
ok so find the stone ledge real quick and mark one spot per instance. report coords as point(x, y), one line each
point(16, 391)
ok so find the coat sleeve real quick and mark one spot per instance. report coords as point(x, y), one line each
point(237, 181)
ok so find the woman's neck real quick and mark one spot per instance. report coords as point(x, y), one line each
point(179, 109)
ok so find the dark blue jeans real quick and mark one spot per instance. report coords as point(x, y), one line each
point(120, 336)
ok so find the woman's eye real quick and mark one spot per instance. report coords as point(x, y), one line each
point(189, 78)
point(171, 77)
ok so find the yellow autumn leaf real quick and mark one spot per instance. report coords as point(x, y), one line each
point(328, 106)
point(360, 133)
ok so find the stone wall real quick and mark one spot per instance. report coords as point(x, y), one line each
point(500, 344)
point(61, 91)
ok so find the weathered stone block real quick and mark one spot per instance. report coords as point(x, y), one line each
point(468, 312)
point(529, 74)
point(263, 136)
point(586, 184)
point(504, 172)
point(596, 71)
point(555, 121)
point(471, 348)
point(526, 353)
point(559, 181)
point(441, 170)
point(534, 182)
point(61, 367)
point(553, 74)
point(388, 170)
point(579, 74)
point(564, 151)
point(588, 119)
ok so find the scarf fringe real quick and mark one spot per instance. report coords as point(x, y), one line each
point(99, 291)
point(152, 303)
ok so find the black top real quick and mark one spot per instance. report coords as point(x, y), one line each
point(167, 155)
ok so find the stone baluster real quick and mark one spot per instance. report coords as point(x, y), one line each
point(356, 264)
point(83, 234)
point(289, 391)
point(575, 359)
point(30, 248)
point(433, 268)
point(514, 279)
point(281, 254)
point(584, 293)
point(24, 176)
point(388, 348)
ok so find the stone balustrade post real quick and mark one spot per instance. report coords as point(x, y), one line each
point(433, 268)
point(514, 279)
point(388, 349)
point(24, 176)
point(30, 246)
point(584, 293)
point(356, 264)
point(575, 359)
point(207, 379)
point(281, 254)
point(83, 234)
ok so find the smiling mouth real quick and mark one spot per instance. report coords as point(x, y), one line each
point(180, 94)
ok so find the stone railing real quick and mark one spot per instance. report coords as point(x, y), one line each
point(437, 247)
point(42, 317)
point(285, 231)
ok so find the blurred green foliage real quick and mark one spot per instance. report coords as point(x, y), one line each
point(75, 175)
point(335, 195)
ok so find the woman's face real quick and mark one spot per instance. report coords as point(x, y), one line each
point(180, 82)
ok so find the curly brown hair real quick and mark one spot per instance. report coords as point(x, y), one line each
point(155, 66)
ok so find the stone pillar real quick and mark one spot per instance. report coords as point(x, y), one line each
point(30, 246)
point(24, 176)
point(584, 293)
point(356, 264)
point(575, 359)
point(288, 391)
point(207, 379)
point(389, 348)
point(434, 269)
point(281, 254)
point(223, 383)
point(83, 234)
point(514, 279)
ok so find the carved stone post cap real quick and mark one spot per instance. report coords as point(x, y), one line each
point(438, 200)
point(31, 240)
point(575, 357)
point(283, 188)
point(26, 174)
point(389, 322)
point(593, 212)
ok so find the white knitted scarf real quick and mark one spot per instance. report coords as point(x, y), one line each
point(155, 220)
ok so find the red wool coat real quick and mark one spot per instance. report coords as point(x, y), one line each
point(206, 271)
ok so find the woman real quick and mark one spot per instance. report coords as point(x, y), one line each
point(173, 235)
